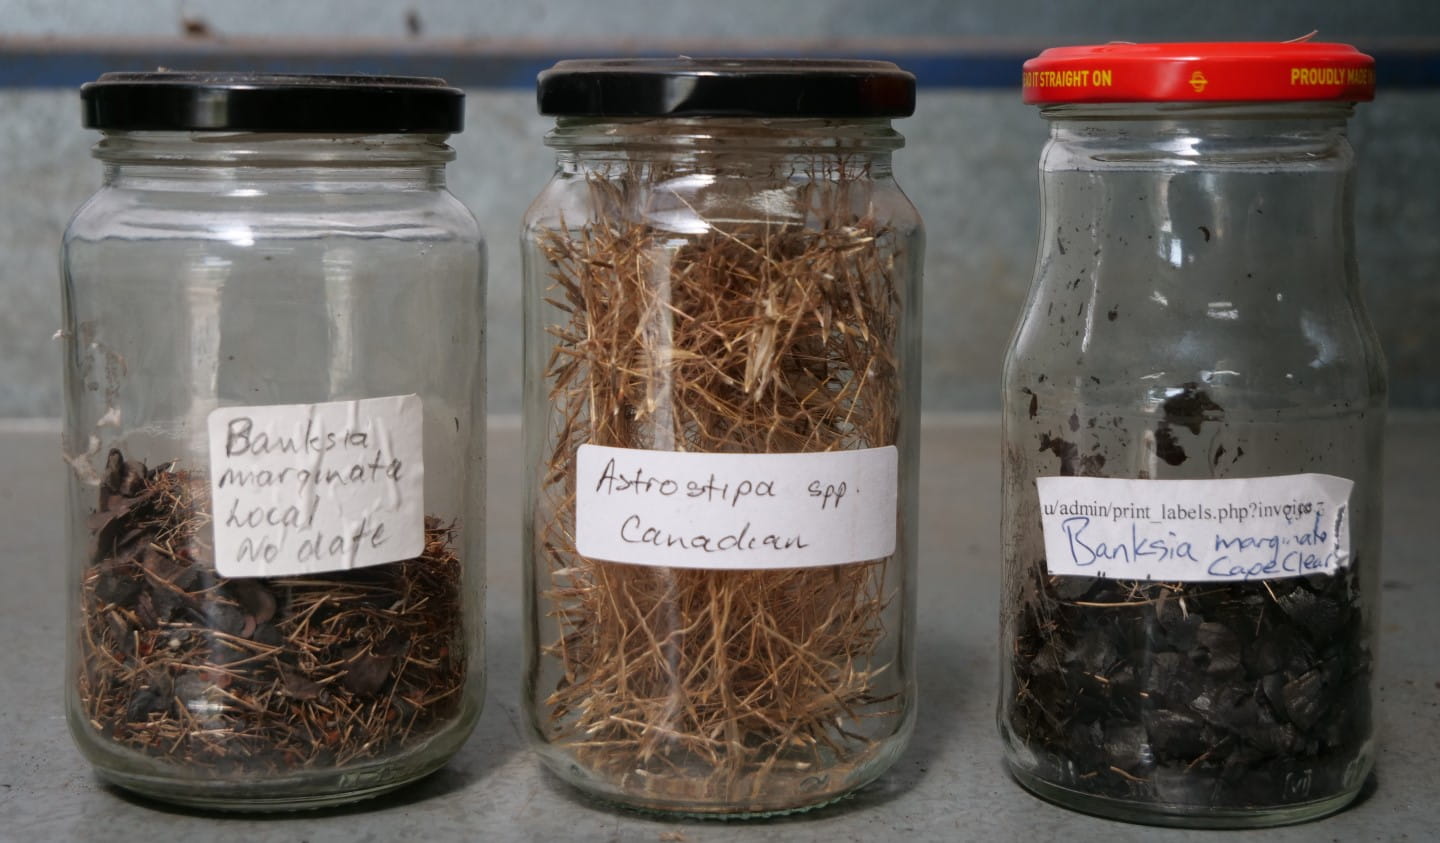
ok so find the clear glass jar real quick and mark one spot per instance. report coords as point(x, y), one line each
point(1201, 654)
point(722, 366)
point(274, 418)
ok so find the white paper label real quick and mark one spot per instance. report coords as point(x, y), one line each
point(1255, 528)
point(735, 511)
point(310, 488)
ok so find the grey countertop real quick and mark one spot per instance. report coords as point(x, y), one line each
point(949, 785)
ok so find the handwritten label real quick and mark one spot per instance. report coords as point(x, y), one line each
point(735, 511)
point(1230, 530)
point(311, 488)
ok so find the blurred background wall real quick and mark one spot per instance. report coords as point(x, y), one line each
point(969, 165)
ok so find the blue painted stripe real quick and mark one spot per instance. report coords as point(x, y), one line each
point(37, 64)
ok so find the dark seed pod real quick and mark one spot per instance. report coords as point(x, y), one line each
point(269, 678)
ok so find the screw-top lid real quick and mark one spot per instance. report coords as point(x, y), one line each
point(272, 102)
point(686, 87)
point(1202, 72)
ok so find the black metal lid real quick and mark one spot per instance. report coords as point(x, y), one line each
point(272, 102)
point(686, 87)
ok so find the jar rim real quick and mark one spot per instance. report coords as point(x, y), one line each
point(715, 133)
point(1172, 111)
point(274, 149)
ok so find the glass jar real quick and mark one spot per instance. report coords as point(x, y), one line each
point(273, 420)
point(1194, 403)
point(722, 282)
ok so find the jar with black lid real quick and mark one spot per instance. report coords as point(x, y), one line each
point(722, 287)
point(273, 421)
point(1193, 414)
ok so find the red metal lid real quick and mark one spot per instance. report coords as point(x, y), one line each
point(1257, 71)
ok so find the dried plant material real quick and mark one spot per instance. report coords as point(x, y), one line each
point(1217, 695)
point(685, 686)
point(257, 676)
point(1193, 693)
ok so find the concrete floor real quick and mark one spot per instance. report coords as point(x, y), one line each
point(949, 785)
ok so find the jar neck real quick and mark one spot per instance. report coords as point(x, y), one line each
point(1187, 135)
point(725, 144)
point(1228, 201)
point(181, 160)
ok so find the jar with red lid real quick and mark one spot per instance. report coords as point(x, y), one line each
point(1194, 405)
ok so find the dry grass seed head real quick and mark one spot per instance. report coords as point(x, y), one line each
point(752, 337)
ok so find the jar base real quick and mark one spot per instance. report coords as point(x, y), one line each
point(230, 799)
point(300, 790)
point(721, 814)
point(1180, 816)
point(858, 775)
